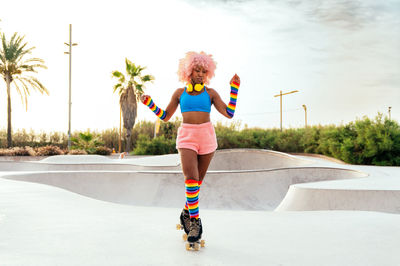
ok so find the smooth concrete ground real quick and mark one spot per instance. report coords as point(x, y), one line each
point(104, 216)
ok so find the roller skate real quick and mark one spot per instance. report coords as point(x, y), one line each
point(194, 241)
point(184, 223)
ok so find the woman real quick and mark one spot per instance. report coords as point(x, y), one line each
point(196, 140)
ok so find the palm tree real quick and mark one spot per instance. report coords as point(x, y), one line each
point(130, 89)
point(13, 68)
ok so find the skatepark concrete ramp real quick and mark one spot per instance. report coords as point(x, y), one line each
point(242, 179)
point(345, 195)
point(252, 159)
point(230, 159)
point(236, 190)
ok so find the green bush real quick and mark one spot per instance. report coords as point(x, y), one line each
point(365, 141)
point(373, 142)
point(156, 146)
point(86, 141)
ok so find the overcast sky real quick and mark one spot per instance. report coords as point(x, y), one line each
point(342, 56)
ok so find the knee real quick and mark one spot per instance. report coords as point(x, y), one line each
point(188, 177)
point(191, 174)
point(202, 175)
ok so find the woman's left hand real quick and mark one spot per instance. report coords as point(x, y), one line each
point(235, 78)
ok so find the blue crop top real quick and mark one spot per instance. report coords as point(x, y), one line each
point(200, 102)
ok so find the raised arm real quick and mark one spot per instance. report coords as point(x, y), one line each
point(166, 114)
point(226, 110)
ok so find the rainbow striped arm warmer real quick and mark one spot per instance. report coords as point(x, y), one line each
point(232, 102)
point(157, 110)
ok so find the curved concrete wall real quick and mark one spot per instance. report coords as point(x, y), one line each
point(35, 166)
point(250, 159)
point(225, 160)
point(303, 198)
point(242, 190)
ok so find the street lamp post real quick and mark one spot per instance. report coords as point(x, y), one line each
point(305, 111)
point(390, 116)
point(70, 44)
point(280, 95)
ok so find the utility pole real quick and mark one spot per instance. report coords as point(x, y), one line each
point(280, 95)
point(70, 44)
point(305, 111)
point(120, 129)
point(390, 116)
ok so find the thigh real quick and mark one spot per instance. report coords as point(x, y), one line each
point(203, 163)
point(189, 164)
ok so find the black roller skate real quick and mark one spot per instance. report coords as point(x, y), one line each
point(184, 223)
point(194, 236)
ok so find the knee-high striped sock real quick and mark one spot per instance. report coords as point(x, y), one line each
point(186, 205)
point(192, 197)
point(230, 109)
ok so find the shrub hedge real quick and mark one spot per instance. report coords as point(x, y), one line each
point(364, 141)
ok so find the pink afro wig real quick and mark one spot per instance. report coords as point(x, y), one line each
point(193, 59)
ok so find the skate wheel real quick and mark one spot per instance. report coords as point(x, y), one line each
point(184, 237)
point(196, 246)
point(202, 243)
point(179, 227)
point(187, 246)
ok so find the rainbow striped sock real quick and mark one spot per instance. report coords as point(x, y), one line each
point(232, 102)
point(192, 197)
point(157, 110)
point(186, 205)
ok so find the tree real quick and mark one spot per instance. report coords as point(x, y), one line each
point(14, 69)
point(130, 88)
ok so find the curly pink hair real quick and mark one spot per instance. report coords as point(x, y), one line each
point(193, 59)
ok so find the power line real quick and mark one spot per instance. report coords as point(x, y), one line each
point(276, 112)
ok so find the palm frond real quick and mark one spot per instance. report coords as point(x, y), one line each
point(36, 84)
point(34, 60)
point(25, 92)
point(2, 57)
point(140, 69)
point(20, 52)
point(30, 68)
point(116, 74)
point(37, 63)
point(3, 43)
point(116, 86)
point(19, 92)
point(139, 88)
point(147, 78)
point(129, 66)
point(119, 75)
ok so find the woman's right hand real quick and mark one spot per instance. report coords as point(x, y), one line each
point(144, 98)
point(235, 78)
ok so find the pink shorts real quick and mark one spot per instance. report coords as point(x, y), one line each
point(198, 137)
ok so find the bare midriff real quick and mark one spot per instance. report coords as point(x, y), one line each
point(195, 117)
